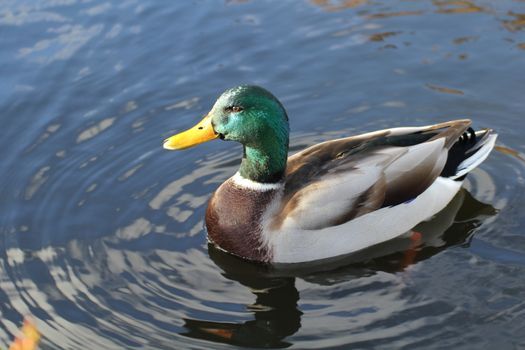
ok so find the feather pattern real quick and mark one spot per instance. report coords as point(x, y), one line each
point(336, 181)
point(293, 244)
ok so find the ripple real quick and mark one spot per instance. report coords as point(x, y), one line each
point(134, 272)
point(445, 90)
point(95, 129)
point(69, 40)
point(102, 231)
point(142, 276)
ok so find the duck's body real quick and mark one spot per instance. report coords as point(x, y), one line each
point(333, 198)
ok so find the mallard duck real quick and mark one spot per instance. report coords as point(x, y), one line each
point(333, 198)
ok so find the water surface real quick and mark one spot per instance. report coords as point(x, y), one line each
point(102, 230)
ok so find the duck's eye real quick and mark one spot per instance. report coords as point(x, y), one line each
point(234, 109)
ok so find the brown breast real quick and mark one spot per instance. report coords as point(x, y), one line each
point(233, 220)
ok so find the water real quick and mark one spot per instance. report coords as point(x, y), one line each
point(102, 230)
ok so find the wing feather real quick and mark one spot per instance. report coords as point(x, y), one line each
point(336, 181)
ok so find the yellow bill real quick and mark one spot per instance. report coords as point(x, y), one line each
point(200, 133)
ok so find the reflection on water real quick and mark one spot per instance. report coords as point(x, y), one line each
point(101, 231)
point(442, 6)
point(275, 311)
point(331, 5)
point(452, 6)
point(515, 24)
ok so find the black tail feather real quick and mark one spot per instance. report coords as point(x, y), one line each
point(470, 142)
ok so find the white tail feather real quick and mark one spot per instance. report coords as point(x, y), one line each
point(477, 158)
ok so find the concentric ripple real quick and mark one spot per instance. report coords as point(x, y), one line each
point(103, 272)
point(102, 237)
point(135, 272)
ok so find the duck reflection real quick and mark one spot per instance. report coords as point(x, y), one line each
point(275, 310)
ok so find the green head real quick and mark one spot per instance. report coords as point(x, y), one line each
point(252, 116)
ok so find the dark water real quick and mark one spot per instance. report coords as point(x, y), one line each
point(102, 230)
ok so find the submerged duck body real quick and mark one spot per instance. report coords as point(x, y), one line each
point(333, 198)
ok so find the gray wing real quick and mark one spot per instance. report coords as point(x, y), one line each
point(333, 182)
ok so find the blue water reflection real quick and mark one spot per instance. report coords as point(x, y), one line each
point(102, 231)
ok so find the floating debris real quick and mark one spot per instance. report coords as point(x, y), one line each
point(457, 6)
point(394, 14)
point(382, 36)
point(445, 90)
point(29, 338)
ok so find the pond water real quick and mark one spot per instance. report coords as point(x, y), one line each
point(102, 237)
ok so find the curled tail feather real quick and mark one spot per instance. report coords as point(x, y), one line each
point(472, 148)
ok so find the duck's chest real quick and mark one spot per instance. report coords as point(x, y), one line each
point(234, 220)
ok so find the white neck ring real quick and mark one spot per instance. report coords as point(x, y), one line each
point(254, 185)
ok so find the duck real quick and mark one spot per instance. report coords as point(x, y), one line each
point(333, 198)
